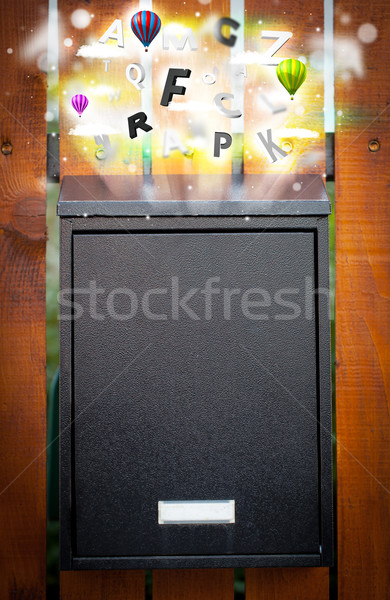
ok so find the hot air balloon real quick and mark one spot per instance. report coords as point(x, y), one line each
point(80, 103)
point(291, 74)
point(145, 25)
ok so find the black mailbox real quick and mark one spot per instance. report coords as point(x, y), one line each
point(195, 379)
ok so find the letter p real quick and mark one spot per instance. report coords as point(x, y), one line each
point(218, 146)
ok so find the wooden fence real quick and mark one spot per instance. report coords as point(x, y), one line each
point(362, 312)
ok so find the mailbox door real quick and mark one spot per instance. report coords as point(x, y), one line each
point(195, 379)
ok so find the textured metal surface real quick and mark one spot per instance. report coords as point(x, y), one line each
point(212, 409)
point(192, 418)
point(198, 562)
point(177, 195)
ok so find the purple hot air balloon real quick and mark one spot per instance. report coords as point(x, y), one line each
point(145, 25)
point(80, 103)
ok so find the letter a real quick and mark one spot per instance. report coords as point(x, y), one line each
point(113, 34)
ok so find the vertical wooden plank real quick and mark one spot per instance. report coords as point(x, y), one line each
point(362, 298)
point(194, 584)
point(287, 584)
point(194, 124)
point(77, 154)
point(301, 125)
point(112, 98)
point(107, 93)
point(102, 585)
point(23, 43)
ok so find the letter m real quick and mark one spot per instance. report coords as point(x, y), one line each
point(178, 44)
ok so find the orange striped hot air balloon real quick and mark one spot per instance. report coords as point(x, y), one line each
point(291, 74)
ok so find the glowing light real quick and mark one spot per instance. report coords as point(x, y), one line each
point(317, 60)
point(194, 124)
point(88, 129)
point(346, 76)
point(9, 50)
point(367, 33)
point(297, 132)
point(100, 153)
point(348, 56)
point(286, 146)
point(174, 28)
point(345, 19)
point(191, 106)
point(68, 42)
point(80, 18)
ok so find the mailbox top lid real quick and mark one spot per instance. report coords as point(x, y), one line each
point(190, 195)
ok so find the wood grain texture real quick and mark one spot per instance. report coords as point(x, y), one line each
point(362, 301)
point(302, 20)
point(99, 585)
point(287, 584)
point(22, 308)
point(305, 21)
point(198, 583)
point(109, 93)
point(193, 584)
point(102, 585)
point(196, 128)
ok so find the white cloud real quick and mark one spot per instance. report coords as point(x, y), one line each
point(98, 50)
point(247, 58)
point(347, 51)
point(297, 133)
point(88, 129)
point(105, 90)
point(191, 106)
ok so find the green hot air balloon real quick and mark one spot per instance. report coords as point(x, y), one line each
point(291, 74)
